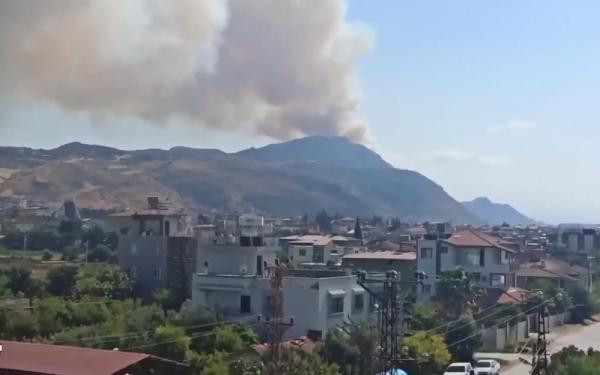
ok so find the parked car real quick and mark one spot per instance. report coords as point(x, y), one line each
point(487, 367)
point(461, 368)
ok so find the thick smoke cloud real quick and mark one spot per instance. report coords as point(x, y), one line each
point(282, 68)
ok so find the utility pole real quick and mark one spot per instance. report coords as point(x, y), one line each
point(391, 320)
point(539, 362)
point(24, 242)
point(275, 322)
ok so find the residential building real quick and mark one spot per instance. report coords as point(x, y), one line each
point(343, 226)
point(555, 271)
point(319, 249)
point(489, 259)
point(321, 300)
point(157, 248)
point(231, 274)
point(575, 239)
point(382, 261)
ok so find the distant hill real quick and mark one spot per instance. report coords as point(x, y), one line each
point(496, 213)
point(289, 178)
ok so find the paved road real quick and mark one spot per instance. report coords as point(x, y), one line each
point(582, 337)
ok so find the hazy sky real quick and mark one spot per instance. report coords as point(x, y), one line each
point(496, 99)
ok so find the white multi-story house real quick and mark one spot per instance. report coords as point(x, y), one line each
point(234, 278)
point(489, 259)
point(230, 273)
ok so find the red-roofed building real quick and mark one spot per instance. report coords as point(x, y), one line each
point(32, 358)
point(488, 258)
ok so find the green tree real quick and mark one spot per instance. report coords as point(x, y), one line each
point(584, 365)
point(430, 351)
point(233, 338)
point(294, 362)
point(457, 293)
point(558, 359)
point(94, 236)
point(242, 367)
point(425, 317)
point(358, 229)
point(62, 280)
point(583, 307)
point(18, 324)
point(165, 298)
point(103, 280)
point(19, 280)
point(352, 347)
point(463, 339)
point(171, 342)
point(100, 253)
point(324, 221)
point(47, 255)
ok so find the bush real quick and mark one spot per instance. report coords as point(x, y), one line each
point(46, 255)
point(71, 253)
point(583, 307)
point(100, 253)
point(61, 280)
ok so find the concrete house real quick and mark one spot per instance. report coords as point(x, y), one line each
point(488, 258)
point(156, 247)
point(319, 249)
point(231, 276)
point(382, 261)
point(555, 271)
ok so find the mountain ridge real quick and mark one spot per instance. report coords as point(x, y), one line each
point(295, 177)
point(495, 213)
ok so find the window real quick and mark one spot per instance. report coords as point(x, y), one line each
point(443, 250)
point(426, 290)
point(468, 257)
point(475, 276)
point(482, 257)
point(302, 252)
point(337, 305)
point(158, 273)
point(133, 272)
point(245, 304)
point(359, 302)
point(426, 253)
point(498, 279)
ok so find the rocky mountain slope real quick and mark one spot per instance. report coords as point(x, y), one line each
point(296, 177)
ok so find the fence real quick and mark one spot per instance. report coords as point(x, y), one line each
point(499, 338)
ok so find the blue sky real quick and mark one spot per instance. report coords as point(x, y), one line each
point(486, 98)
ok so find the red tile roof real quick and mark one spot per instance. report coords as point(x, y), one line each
point(513, 296)
point(64, 360)
point(475, 238)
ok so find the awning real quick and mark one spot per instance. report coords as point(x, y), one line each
point(336, 292)
point(358, 289)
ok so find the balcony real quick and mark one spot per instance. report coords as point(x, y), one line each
point(232, 283)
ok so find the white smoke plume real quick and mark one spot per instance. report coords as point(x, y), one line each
point(281, 68)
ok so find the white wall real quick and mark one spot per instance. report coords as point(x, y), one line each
point(229, 259)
